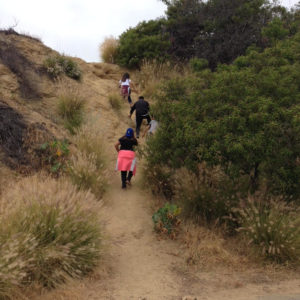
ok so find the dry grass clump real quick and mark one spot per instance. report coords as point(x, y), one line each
point(70, 107)
point(106, 71)
point(85, 174)
point(272, 227)
point(205, 248)
point(152, 73)
point(207, 196)
point(109, 49)
point(115, 101)
point(87, 166)
point(50, 232)
point(88, 140)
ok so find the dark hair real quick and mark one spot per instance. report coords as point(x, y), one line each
point(125, 76)
point(141, 97)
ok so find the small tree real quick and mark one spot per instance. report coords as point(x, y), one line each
point(145, 41)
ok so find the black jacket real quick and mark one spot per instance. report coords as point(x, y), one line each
point(141, 108)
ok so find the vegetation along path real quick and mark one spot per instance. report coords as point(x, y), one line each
point(140, 265)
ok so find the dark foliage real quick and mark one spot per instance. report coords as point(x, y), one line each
point(216, 30)
point(243, 118)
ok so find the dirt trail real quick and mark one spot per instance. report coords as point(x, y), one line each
point(142, 265)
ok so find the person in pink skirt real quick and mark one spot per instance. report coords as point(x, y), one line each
point(126, 162)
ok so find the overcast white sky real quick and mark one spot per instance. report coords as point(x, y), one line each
point(77, 27)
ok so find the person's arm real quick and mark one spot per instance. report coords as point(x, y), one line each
point(117, 146)
point(132, 110)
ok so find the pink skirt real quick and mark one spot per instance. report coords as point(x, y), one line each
point(126, 161)
point(125, 90)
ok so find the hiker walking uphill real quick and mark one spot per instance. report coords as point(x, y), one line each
point(126, 157)
point(124, 84)
point(141, 108)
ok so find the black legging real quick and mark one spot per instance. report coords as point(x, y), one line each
point(124, 177)
point(139, 120)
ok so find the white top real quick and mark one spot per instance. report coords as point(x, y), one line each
point(153, 126)
point(126, 82)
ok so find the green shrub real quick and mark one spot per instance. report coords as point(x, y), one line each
point(71, 69)
point(56, 65)
point(166, 219)
point(55, 153)
point(198, 64)
point(273, 227)
point(52, 67)
point(50, 232)
point(70, 108)
point(115, 101)
point(145, 41)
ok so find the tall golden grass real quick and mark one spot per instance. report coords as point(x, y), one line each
point(272, 227)
point(49, 233)
point(108, 50)
point(70, 106)
point(87, 166)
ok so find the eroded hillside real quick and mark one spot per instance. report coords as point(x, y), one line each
point(28, 97)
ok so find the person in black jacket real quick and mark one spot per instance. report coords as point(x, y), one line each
point(141, 108)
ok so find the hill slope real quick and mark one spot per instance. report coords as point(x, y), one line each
point(139, 265)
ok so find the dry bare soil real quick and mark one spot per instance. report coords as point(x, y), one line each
point(137, 263)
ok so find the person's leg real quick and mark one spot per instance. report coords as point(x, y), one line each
point(139, 120)
point(130, 174)
point(129, 100)
point(123, 178)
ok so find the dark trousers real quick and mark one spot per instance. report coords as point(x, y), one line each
point(124, 177)
point(139, 120)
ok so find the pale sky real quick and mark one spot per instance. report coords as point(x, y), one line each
point(78, 27)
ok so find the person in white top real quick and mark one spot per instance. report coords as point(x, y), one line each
point(124, 84)
point(152, 127)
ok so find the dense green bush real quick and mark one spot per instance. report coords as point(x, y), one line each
point(243, 118)
point(145, 41)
